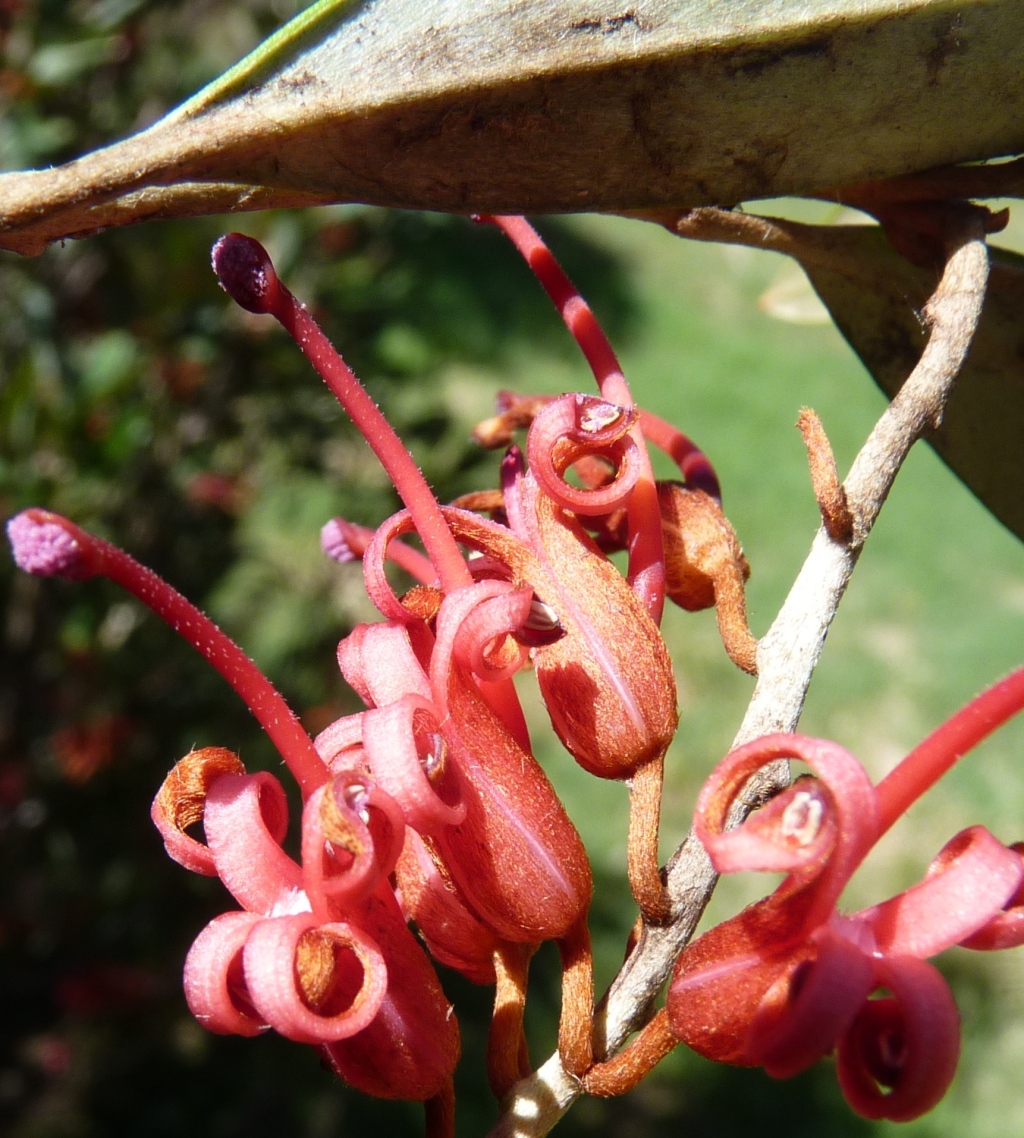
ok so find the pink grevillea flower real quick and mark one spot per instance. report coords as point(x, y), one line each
point(491, 859)
point(507, 845)
point(607, 681)
point(790, 979)
point(234, 981)
point(704, 562)
point(444, 732)
point(603, 669)
point(434, 672)
point(320, 951)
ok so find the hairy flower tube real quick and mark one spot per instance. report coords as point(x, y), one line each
point(791, 978)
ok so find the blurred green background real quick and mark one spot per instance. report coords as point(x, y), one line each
point(137, 399)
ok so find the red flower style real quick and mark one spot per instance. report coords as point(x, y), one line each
point(790, 979)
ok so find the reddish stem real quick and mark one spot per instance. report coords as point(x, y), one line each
point(693, 463)
point(506, 1036)
point(440, 1113)
point(260, 695)
point(244, 269)
point(646, 552)
point(930, 759)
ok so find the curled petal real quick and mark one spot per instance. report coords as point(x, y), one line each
point(351, 838)
point(484, 643)
point(794, 831)
point(408, 758)
point(576, 427)
point(351, 664)
point(181, 800)
point(470, 619)
point(503, 551)
point(295, 966)
point(813, 830)
point(378, 587)
point(214, 981)
point(383, 666)
point(244, 821)
point(908, 1042)
point(378, 661)
point(1006, 929)
point(344, 735)
point(361, 797)
point(966, 886)
point(805, 1012)
point(473, 626)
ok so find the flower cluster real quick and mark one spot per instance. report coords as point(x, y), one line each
point(791, 979)
point(428, 808)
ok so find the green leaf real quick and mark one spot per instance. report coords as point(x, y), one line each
point(557, 105)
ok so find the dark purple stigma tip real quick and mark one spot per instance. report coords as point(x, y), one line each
point(245, 272)
point(334, 543)
point(44, 547)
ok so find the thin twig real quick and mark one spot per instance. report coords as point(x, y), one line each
point(788, 653)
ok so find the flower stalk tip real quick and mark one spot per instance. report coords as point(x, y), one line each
point(44, 547)
point(245, 273)
point(48, 544)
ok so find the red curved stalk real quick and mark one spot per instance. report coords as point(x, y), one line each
point(930, 759)
point(646, 553)
point(245, 272)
